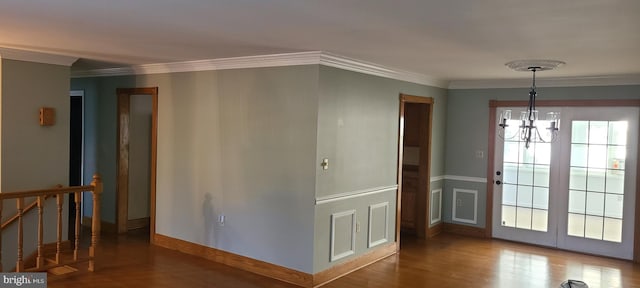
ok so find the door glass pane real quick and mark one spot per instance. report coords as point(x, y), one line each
point(509, 194)
point(508, 216)
point(575, 224)
point(598, 132)
point(523, 218)
point(615, 181)
point(539, 220)
point(615, 157)
point(527, 154)
point(525, 174)
point(613, 206)
point(540, 197)
point(618, 132)
point(612, 230)
point(525, 196)
point(593, 227)
point(510, 173)
point(511, 152)
point(577, 201)
point(580, 132)
point(542, 153)
point(597, 156)
point(579, 154)
point(595, 203)
point(541, 176)
point(596, 180)
point(526, 183)
point(578, 178)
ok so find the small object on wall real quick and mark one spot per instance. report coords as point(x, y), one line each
point(325, 164)
point(47, 116)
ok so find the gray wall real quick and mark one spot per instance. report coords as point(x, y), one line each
point(239, 143)
point(468, 123)
point(358, 133)
point(247, 144)
point(32, 156)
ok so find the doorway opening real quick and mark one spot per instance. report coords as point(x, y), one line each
point(136, 157)
point(76, 152)
point(414, 164)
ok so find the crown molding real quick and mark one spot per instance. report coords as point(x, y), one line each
point(345, 63)
point(38, 57)
point(273, 60)
point(612, 80)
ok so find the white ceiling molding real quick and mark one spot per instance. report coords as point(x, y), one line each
point(614, 80)
point(274, 60)
point(38, 57)
point(379, 70)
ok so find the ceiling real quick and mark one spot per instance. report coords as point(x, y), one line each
point(448, 40)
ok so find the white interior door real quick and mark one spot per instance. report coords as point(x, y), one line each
point(577, 193)
point(522, 209)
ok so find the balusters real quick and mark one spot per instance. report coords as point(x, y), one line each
point(43, 260)
point(59, 202)
point(20, 207)
point(40, 259)
point(95, 220)
point(77, 240)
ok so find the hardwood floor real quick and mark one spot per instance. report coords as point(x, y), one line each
point(443, 261)
point(456, 261)
point(130, 261)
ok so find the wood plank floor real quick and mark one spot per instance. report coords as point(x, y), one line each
point(443, 261)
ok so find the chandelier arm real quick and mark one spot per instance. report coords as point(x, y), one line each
point(542, 139)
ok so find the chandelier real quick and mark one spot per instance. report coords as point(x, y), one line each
point(528, 125)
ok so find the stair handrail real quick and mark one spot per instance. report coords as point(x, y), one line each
point(95, 188)
point(29, 207)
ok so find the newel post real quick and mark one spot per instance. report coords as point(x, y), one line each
point(95, 219)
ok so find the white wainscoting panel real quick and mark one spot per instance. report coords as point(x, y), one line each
point(436, 206)
point(378, 213)
point(343, 234)
point(461, 199)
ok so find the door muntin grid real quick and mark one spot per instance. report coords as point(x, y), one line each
point(525, 189)
point(596, 180)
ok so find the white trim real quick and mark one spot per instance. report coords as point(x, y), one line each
point(355, 65)
point(273, 60)
point(76, 93)
point(458, 178)
point(613, 80)
point(354, 194)
point(465, 178)
point(436, 220)
point(38, 57)
point(475, 205)
point(384, 205)
point(335, 216)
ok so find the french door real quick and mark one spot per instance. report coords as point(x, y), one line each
point(577, 193)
